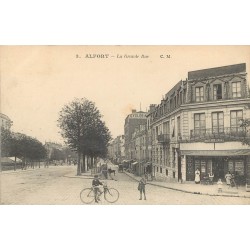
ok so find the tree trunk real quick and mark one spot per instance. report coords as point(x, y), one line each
point(91, 161)
point(15, 164)
point(79, 164)
point(83, 164)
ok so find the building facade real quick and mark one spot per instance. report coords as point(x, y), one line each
point(116, 149)
point(5, 121)
point(198, 125)
point(139, 149)
point(132, 121)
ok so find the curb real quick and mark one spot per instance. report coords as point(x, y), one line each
point(78, 176)
point(190, 192)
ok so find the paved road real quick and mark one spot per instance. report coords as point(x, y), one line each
point(50, 186)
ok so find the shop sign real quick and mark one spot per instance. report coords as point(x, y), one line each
point(214, 140)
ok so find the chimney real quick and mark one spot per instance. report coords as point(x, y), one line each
point(133, 111)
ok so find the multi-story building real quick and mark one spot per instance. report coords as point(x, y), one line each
point(5, 121)
point(132, 122)
point(139, 149)
point(116, 149)
point(198, 125)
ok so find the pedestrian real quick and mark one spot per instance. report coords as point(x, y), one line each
point(141, 187)
point(219, 183)
point(95, 184)
point(228, 178)
point(197, 176)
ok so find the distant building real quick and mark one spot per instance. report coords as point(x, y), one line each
point(132, 121)
point(116, 149)
point(5, 121)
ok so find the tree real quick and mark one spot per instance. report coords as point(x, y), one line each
point(57, 155)
point(5, 142)
point(245, 124)
point(22, 146)
point(82, 128)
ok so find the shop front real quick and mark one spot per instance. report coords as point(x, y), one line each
point(218, 163)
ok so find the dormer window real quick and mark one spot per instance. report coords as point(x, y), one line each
point(236, 89)
point(217, 90)
point(199, 94)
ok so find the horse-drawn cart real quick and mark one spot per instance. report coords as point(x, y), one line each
point(120, 168)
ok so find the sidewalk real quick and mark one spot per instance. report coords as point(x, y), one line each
point(198, 189)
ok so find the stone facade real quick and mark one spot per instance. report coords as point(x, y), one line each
point(197, 125)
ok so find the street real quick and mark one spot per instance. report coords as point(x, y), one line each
point(59, 185)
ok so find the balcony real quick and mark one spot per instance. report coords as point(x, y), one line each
point(163, 138)
point(217, 134)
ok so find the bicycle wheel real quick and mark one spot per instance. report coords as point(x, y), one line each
point(87, 195)
point(111, 195)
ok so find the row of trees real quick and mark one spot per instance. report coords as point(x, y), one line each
point(21, 146)
point(84, 131)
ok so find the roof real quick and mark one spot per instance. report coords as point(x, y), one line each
point(10, 160)
point(213, 72)
point(216, 152)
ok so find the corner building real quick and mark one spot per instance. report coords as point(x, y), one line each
point(197, 125)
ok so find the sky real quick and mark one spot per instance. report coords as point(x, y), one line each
point(37, 81)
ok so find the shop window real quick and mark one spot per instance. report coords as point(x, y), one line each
point(236, 89)
point(199, 94)
point(217, 90)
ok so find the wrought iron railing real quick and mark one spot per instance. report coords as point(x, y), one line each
point(163, 138)
point(218, 133)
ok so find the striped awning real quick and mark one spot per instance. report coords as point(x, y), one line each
point(235, 152)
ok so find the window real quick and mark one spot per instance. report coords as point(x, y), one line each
point(217, 90)
point(236, 89)
point(173, 127)
point(161, 170)
point(178, 126)
point(199, 123)
point(235, 120)
point(157, 169)
point(166, 172)
point(217, 122)
point(199, 94)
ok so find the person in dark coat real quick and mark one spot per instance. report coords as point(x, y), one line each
point(141, 187)
point(95, 184)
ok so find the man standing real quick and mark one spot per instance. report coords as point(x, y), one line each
point(95, 184)
point(141, 187)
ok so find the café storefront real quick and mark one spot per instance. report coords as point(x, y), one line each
point(218, 162)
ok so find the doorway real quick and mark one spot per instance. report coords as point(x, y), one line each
point(218, 168)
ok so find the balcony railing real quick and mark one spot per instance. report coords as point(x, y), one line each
point(163, 138)
point(217, 133)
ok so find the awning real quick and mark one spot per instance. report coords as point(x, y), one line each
point(10, 160)
point(134, 163)
point(216, 152)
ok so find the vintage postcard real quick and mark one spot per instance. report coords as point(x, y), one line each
point(125, 125)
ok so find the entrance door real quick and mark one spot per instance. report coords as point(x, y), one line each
point(218, 168)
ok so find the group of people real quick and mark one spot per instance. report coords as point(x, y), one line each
point(96, 183)
point(230, 180)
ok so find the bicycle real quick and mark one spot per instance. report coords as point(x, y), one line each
point(111, 195)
